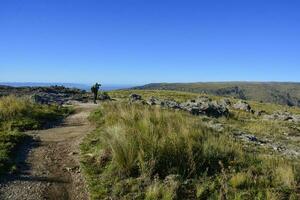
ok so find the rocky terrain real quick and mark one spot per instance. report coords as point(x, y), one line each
point(199, 106)
point(272, 92)
point(205, 106)
point(47, 95)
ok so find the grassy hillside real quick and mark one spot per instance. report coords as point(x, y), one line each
point(21, 114)
point(147, 152)
point(279, 93)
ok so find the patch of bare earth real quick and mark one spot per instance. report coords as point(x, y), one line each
point(48, 166)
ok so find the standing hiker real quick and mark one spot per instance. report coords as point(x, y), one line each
point(95, 89)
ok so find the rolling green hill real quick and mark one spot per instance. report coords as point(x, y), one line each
point(271, 92)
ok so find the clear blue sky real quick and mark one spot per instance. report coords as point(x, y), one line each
point(142, 41)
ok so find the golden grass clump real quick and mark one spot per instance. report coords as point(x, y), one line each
point(11, 106)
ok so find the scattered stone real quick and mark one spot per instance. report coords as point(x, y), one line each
point(283, 116)
point(71, 169)
point(249, 138)
point(215, 126)
point(281, 148)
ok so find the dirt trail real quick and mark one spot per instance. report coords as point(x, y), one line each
point(49, 164)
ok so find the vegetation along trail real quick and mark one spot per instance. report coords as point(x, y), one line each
point(49, 166)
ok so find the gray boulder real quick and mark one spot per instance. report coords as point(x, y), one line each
point(215, 126)
point(104, 97)
point(242, 105)
point(135, 97)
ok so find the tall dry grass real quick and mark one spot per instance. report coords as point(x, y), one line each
point(143, 143)
point(151, 141)
point(11, 106)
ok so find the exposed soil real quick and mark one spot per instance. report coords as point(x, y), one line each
point(48, 165)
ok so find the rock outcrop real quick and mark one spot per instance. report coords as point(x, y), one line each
point(47, 95)
point(205, 106)
point(58, 95)
point(164, 103)
point(199, 106)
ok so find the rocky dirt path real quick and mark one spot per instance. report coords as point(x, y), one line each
point(49, 164)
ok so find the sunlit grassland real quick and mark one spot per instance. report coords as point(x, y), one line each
point(184, 96)
point(143, 152)
point(241, 120)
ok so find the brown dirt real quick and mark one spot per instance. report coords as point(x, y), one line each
point(48, 166)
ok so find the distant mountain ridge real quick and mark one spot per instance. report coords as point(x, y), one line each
point(284, 93)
